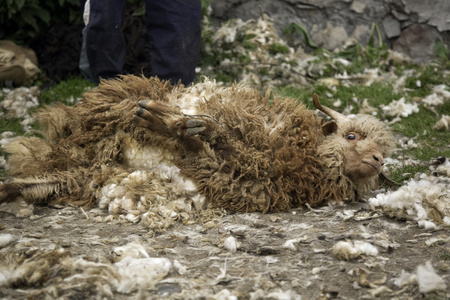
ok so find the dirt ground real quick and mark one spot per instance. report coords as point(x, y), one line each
point(273, 256)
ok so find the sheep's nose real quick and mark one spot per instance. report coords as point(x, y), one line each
point(378, 158)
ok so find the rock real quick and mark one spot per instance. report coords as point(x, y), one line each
point(330, 23)
point(391, 27)
point(433, 12)
point(331, 37)
point(418, 42)
point(358, 7)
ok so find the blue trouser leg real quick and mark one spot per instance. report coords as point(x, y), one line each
point(174, 28)
point(105, 43)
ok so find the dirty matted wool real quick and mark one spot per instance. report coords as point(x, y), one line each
point(252, 156)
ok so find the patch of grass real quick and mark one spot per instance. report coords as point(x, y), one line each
point(405, 172)
point(377, 94)
point(278, 48)
point(431, 75)
point(66, 91)
point(301, 94)
point(11, 124)
point(421, 125)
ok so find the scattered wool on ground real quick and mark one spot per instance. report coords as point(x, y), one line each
point(438, 97)
point(425, 200)
point(291, 244)
point(428, 280)
point(18, 102)
point(443, 123)
point(404, 279)
point(134, 271)
point(400, 108)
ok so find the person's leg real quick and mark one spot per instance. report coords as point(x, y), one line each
point(104, 44)
point(84, 62)
point(174, 28)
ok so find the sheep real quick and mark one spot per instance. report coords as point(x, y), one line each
point(133, 143)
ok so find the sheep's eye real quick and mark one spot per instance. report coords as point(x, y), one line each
point(351, 136)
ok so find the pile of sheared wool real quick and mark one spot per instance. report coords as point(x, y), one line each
point(133, 270)
point(439, 96)
point(155, 199)
point(253, 53)
point(443, 123)
point(400, 108)
point(425, 199)
point(17, 103)
point(158, 195)
point(426, 278)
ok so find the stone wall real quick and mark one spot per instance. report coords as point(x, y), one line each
point(409, 26)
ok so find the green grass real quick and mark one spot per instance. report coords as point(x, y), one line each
point(72, 88)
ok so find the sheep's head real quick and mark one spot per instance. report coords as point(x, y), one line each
point(361, 143)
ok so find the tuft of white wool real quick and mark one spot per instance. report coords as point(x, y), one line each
point(133, 217)
point(141, 272)
point(199, 202)
point(290, 244)
point(179, 267)
point(404, 279)
point(3, 163)
point(442, 90)
point(400, 108)
point(428, 280)
point(6, 239)
point(443, 123)
point(428, 225)
point(231, 244)
point(366, 248)
point(6, 137)
point(438, 97)
point(133, 250)
point(433, 100)
point(347, 250)
point(224, 295)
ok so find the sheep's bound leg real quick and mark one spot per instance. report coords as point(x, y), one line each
point(160, 118)
point(32, 190)
point(9, 192)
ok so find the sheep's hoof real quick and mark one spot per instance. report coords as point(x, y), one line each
point(150, 115)
point(194, 127)
point(9, 192)
point(190, 127)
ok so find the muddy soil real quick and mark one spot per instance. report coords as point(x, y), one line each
point(273, 256)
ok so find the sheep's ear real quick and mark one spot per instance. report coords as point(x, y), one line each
point(329, 128)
